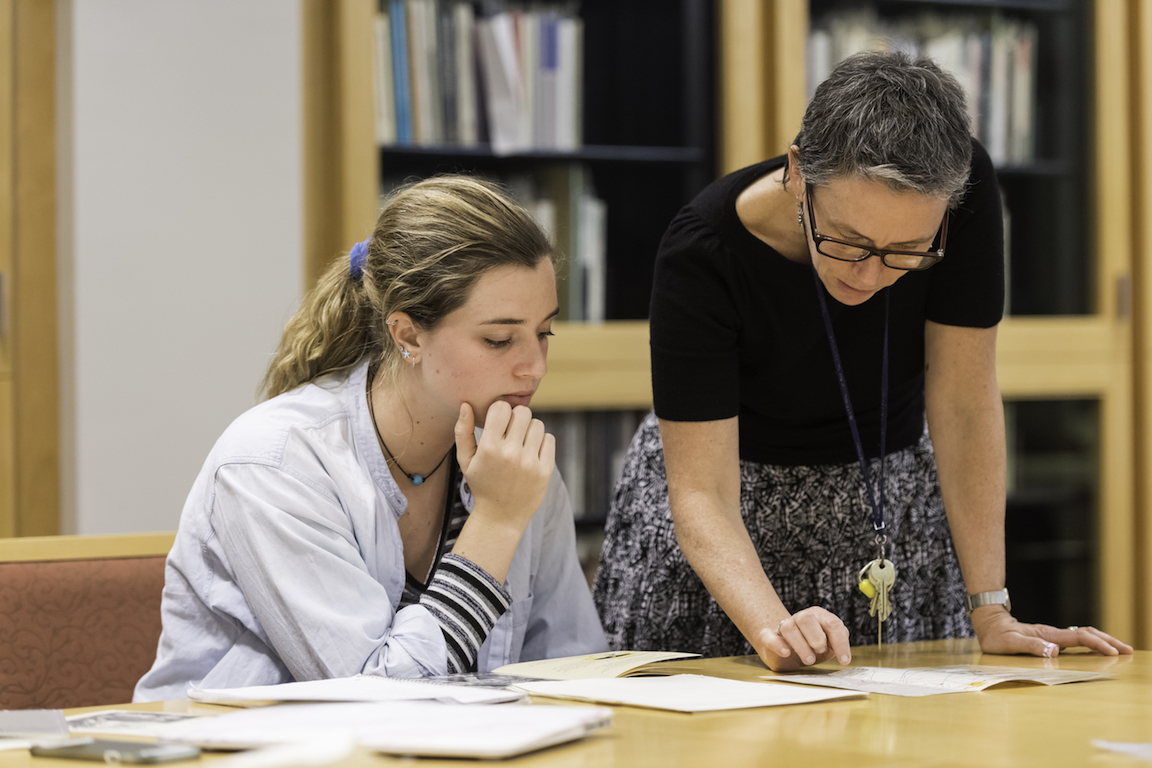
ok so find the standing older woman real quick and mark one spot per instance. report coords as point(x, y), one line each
point(807, 313)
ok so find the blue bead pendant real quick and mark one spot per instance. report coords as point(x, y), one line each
point(417, 480)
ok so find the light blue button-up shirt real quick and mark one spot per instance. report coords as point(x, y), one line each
point(288, 563)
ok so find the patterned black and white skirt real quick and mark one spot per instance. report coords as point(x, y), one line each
point(810, 527)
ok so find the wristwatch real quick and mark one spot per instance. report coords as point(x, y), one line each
point(998, 597)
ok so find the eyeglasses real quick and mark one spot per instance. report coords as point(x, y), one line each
point(842, 250)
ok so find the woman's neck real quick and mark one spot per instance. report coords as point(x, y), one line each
point(768, 210)
point(417, 436)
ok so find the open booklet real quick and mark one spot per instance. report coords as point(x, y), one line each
point(358, 688)
point(681, 693)
point(606, 664)
point(929, 681)
point(400, 728)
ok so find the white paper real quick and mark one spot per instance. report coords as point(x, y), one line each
point(1142, 751)
point(359, 688)
point(32, 723)
point(7, 744)
point(681, 693)
point(930, 681)
point(323, 751)
point(411, 728)
point(126, 722)
point(606, 664)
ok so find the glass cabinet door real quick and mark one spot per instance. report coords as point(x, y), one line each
point(1065, 348)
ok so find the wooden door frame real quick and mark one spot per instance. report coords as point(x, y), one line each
point(29, 427)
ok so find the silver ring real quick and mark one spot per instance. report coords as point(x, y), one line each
point(780, 625)
point(1074, 628)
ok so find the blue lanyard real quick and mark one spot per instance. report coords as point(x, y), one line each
point(877, 517)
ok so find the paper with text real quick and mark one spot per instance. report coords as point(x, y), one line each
point(680, 693)
point(358, 688)
point(929, 681)
point(607, 664)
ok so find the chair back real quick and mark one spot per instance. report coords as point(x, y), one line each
point(79, 617)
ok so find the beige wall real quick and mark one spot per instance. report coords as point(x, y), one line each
point(181, 241)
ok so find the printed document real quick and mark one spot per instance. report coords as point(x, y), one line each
point(680, 693)
point(358, 688)
point(606, 664)
point(400, 728)
point(929, 681)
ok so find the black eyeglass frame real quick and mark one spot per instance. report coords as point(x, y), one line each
point(935, 257)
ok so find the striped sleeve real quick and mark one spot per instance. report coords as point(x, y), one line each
point(466, 601)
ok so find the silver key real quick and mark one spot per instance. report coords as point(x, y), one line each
point(882, 574)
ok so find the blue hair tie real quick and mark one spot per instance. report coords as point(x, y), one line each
point(357, 257)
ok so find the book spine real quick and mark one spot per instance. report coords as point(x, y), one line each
point(400, 80)
point(382, 80)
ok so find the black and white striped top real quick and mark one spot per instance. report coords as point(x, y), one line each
point(461, 595)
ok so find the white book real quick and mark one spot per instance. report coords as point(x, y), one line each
point(931, 681)
point(577, 185)
point(467, 127)
point(546, 84)
point(358, 688)
point(500, 73)
point(974, 64)
point(599, 665)
point(574, 434)
point(403, 728)
point(420, 74)
point(382, 79)
point(681, 693)
point(593, 244)
point(818, 59)
point(569, 57)
point(1000, 89)
point(528, 50)
point(1022, 143)
point(432, 56)
point(544, 211)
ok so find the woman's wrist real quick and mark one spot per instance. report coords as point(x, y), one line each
point(489, 541)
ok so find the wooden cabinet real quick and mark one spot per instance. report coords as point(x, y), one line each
point(1101, 354)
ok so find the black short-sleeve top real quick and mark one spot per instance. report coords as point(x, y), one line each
point(736, 328)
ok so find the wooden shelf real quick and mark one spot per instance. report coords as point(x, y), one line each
point(602, 366)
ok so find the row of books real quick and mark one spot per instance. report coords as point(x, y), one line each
point(992, 55)
point(590, 451)
point(561, 197)
point(446, 74)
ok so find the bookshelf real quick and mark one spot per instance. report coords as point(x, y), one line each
point(1093, 348)
point(647, 146)
point(1066, 350)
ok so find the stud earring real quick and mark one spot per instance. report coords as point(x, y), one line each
point(405, 353)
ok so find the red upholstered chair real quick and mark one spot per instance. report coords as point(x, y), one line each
point(79, 617)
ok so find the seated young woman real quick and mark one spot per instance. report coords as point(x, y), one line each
point(355, 521)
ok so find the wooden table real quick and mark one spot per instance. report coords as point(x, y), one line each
point(1011, 725)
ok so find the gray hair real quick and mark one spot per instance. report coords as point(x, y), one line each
point(889, 117)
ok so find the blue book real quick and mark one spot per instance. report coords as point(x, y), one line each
point(400, 73)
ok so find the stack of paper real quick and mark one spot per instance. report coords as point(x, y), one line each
point(929, 681)
point(359, 688)
point(680, 693)
point(400, 728)
point(606, 664)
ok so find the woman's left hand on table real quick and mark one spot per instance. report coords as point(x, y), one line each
point(999, 632)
